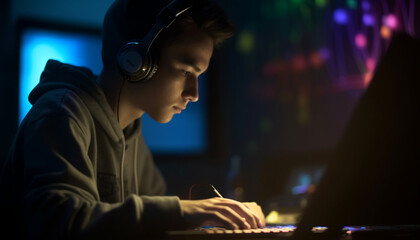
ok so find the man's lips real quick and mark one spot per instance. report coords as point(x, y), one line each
point(179, 109)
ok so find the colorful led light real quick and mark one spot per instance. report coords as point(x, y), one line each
point(368, 19)
point(370, 64)
point(385, 32)
point(341, 16)
point(367, 79)
point(365, 5)
point(390, 21)
point(352, 4)
point(320, 3)
point(360, 40)
point(246, 42)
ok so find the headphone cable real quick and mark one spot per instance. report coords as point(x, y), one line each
point(118, 99)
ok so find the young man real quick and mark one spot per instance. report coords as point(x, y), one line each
point(79, 167)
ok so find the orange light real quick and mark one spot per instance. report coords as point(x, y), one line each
point(385, 32)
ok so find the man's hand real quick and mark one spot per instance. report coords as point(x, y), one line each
point(220, 212)
point(255, 208)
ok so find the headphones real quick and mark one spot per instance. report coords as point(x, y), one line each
point(134, 58)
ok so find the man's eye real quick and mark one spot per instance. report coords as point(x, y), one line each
point(186, 73)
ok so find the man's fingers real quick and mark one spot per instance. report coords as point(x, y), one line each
point(255, 208)
point(232, 215)
point(214, 218)
point(223, 212)
point(252, 219)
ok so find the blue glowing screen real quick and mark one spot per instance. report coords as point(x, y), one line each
point(39, 45)
point(303, 180)
point(186, 134)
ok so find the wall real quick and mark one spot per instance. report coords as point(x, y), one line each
point(79, 12)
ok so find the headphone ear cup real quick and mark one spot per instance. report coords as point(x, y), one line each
point(149, 69)
point(130, 59)
point(134, 65)
point(153, 69)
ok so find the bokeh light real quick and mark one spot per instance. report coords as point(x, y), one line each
point(246, 42)
point(320, 3)
point(390, 21)
point(365, 5)
point(385, 32)
point(368, 19)
point(370, 64)
point(352, 4)
point(341, 16)
point(360, 40)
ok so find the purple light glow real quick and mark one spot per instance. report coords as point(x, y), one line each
point(301, 189)
point(366, 5)
point(390, 21)
point(324, 52)
point(340, 16)
point(368, 19)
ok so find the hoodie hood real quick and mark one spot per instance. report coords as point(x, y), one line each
point(81, 80)
point(57, 75)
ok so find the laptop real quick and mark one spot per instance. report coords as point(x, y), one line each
point(370, 188)
point(285, 206)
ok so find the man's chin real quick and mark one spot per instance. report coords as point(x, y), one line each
point(165, 119)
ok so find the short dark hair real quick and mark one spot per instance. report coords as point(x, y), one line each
point(127, 20)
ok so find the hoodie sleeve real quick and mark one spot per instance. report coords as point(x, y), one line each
point(60, 197)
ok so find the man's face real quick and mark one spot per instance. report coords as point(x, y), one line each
point(176, 80)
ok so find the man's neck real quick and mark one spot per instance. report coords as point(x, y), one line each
point(113, 87)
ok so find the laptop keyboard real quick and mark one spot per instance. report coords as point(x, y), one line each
point(267, 229)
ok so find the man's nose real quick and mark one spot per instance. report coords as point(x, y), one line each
point(191, 89)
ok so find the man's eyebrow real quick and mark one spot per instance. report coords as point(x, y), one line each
point(190, 62)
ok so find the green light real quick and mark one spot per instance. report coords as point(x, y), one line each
point(246, 42)
point(352, 4)
point(320, 3)
point(281, 7)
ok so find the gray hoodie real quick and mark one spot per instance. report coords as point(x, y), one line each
point(72, 172)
